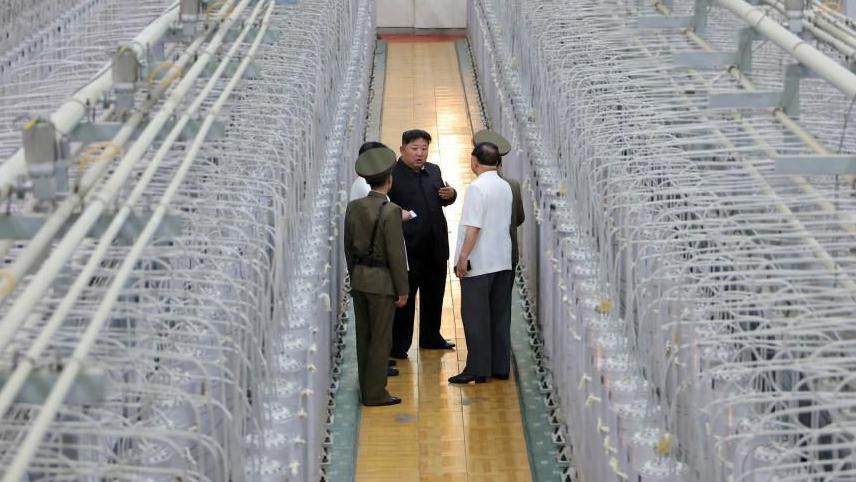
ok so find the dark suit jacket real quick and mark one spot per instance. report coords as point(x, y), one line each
point(428, 234)
point(388, 246)
point(517, 217)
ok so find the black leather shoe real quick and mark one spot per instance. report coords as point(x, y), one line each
point(500, 376)
point(384, 403)
point(390, 363)
point(398, 356)
point(391, 372)
point(444, 345)
point(467, 378)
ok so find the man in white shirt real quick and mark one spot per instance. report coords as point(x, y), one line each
point(360, 188)
point(483, 263)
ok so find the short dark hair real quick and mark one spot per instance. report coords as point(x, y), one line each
point(487, 154)
point(413, 134)
point(370, 145)
point(377, 182)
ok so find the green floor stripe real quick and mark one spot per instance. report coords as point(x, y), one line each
point(468, 78)
point(536, 424)
point(346, 414)
point(375, 111)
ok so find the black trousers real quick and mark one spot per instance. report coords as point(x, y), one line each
point(486, 315)
point(429, 280)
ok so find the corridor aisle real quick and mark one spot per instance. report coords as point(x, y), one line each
point(440, 432)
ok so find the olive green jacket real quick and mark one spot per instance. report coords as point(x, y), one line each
point(390, 279)
point(517, 217)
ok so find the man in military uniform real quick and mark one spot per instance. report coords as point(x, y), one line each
point(377, 263)
point(501, 360)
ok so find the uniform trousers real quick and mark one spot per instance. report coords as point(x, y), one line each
point(373, 314)
point(486, 316)
point(429, 279)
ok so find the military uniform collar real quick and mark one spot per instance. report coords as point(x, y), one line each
point(378, 195)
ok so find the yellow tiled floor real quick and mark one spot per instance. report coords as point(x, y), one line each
point(440, 432)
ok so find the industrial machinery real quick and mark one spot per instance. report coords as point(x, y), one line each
point(170, 191)
point(691, 168)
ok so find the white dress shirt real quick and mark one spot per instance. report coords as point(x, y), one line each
point(487, 206)
point(359, 189)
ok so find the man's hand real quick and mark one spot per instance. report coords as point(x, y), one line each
point(401, 301)
point(406, 216)
point(446, 193)
point(461, 267)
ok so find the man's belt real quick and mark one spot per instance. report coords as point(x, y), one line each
point(370, 262)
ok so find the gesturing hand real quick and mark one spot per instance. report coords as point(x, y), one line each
point(446, 193)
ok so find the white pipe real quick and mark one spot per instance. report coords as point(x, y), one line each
point(73, 110)
point(72, 367)
point(810, 57)
point(33, 252)
point(844, 24)
point(823, 30)
point(99, 201)
point(25, 366)
point(842, 33)
point(848, 222)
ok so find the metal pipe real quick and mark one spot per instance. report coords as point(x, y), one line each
point(43, 279)
point(25, 366)
point(826, 32)
point(54, 222)
point(73, 110)
point(846, 50)
point(832, 29)
point(848, 223)
point(807, 55)
point(72, 368)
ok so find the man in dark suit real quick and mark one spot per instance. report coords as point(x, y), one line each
point(420, 189)
point(377, 264)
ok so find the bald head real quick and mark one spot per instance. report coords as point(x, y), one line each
point(487, 154)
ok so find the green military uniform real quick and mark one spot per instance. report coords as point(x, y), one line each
point(517, 213)
point(377, 263)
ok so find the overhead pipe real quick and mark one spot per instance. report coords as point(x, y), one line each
point(833, 35)
point(842, 33)
point(65, 119)
point(25, 366)
point(810, 57)
point(72, 111)
point(849, 225)
point(97, 203)
point(71, 369)
point(54, 222)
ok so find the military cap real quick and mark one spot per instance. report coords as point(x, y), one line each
point(494, 138)
point(375, 164)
